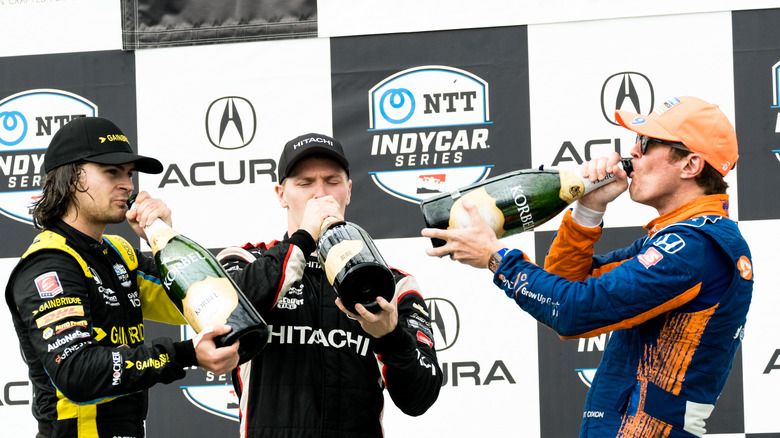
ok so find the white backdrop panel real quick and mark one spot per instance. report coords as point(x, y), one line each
point(359, 17)
point(16, 392)
point(31, 27)
point(570, 63)
point(287, 83)
point(492, 328)
point(761, 331)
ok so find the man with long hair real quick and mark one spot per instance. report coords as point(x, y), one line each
point(78, 297)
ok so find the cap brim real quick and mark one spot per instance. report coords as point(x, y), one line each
point(142, 164)
point(644, 125)
point(317, 150)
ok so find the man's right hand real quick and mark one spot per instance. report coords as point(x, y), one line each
point(217, 360)
point(317, 210)
point(596, 170)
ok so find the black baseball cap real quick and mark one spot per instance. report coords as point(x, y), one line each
point(96, 140)
point(305, 145)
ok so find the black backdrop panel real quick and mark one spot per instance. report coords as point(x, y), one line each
point(168, 23)
point(45, 85)
point(467, 91)
point(757, 102)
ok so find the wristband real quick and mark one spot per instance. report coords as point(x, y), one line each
point(495, 259)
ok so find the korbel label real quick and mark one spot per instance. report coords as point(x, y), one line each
point(209, 302)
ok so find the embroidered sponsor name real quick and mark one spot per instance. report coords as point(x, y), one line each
point(304, 335)
point(58, 314)
point(58, 302)
point(70, 337)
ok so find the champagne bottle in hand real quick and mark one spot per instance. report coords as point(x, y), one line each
point(512, 202)
point(354, 266)
point(203, 292)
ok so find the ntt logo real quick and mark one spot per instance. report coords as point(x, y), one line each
point(28, 120)
point(428, 96)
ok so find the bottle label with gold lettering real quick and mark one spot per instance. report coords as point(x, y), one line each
point(209, 302)
point(486, 205)
point(339, 255)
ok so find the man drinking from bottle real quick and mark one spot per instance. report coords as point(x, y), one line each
point(675, 301)
point(324, 368)
point(78, 297)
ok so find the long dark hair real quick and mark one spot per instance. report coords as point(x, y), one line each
point(59, 190)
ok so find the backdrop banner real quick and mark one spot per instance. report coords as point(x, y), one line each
point(168, 23)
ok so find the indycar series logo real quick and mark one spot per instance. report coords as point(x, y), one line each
point(428, 125)
point(28, 120)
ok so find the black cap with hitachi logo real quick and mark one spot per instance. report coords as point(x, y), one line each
point(306, 145)
point(96, 140)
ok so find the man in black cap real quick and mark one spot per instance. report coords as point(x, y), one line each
point(78, 298)
point(324, 368)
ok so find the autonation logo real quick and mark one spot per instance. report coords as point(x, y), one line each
point(28, 120)
point(427, 124)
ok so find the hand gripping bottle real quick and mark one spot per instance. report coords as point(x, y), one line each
point(203, 292)
point(354, 265)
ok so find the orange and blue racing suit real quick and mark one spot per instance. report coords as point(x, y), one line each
point(675, 301)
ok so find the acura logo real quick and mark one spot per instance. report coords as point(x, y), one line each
point(628, 90)
point(231, 122)
point(445, 322)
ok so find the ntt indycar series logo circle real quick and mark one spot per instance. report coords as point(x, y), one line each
point(429, 128)
point(28, 120)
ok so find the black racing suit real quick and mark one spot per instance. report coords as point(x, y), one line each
point(321, 375)
point(78, 307)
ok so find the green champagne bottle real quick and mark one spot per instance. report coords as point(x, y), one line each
point(354, 266)
point(512, 202)
point(203, 292)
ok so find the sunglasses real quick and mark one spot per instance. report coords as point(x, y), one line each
point(643, 141)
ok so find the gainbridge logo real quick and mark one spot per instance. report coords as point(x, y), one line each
point(28, 120)
point(429, 126)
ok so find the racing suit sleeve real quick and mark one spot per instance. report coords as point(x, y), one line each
point(155, 303)
point(61, 333)
point(266, 274)
point(571, 254)
point(645, 280)
point(406, 356)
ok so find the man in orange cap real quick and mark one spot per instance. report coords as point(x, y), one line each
point(675, 301)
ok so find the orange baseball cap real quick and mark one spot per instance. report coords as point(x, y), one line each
point(700, 126)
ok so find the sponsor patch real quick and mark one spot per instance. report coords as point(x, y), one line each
point(745, 268)
point(58, 302)
point(64, 326)
point(424, 339)
point(58, 314)
point(48, 333)
point(650, 257)
point(670, 243)
point(48, 285)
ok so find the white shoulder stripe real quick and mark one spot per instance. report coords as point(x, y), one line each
point(236, 251)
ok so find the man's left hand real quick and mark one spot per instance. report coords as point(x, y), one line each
point(375, 324)
point(471, 246)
